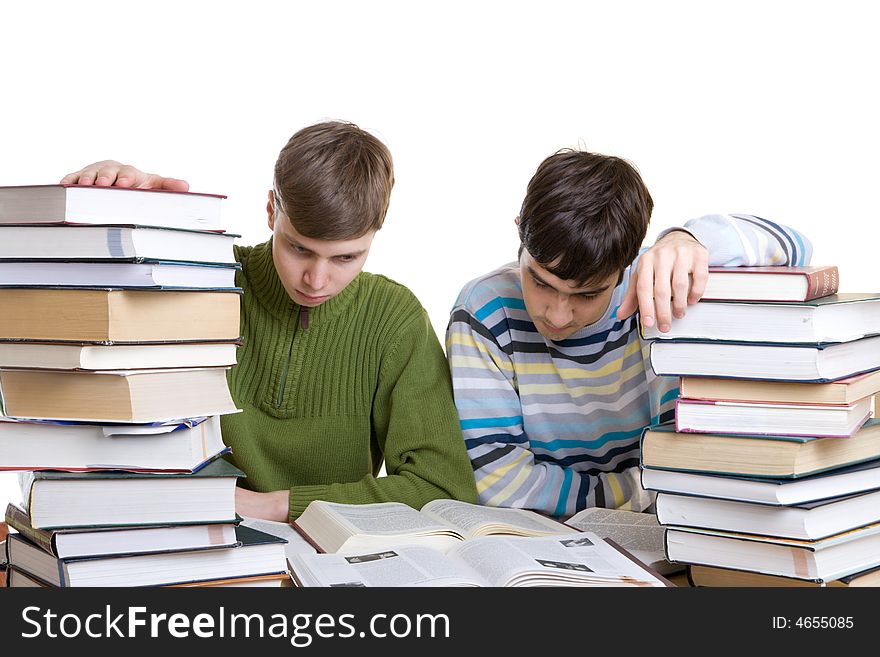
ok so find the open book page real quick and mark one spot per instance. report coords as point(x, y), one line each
point(638, 533)
point(402, 566)
point(476, 520)
point(384, 519)
point(581, 559)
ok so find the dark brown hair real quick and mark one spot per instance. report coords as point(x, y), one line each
point(333, 181)
point(585, 215)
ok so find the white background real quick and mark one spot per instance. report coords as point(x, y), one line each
point(764, 107)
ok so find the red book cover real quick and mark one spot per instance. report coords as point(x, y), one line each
point(823, 280)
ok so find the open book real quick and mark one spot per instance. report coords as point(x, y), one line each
point(581, 559)
point(440, 524)
point(640, 534)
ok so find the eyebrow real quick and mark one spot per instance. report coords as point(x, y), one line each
point(353, 254)
point(540, 280)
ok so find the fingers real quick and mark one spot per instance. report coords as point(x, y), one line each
point(125, 175)
point(671, 275)
point(630, 299)
point(89, 175)
point(645, 291)
point(107, 173)
point(174, 185)
point(699, 275)
point(110, 172)
point(681, 283)
point(153, 181)
point(663, 266)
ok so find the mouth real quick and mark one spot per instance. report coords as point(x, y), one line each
point(555, 329)
point(311, 299)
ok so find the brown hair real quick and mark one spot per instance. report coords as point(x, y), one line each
point(333, 181)
point(585, 215)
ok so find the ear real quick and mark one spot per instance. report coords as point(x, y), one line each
point(516, 220)
point(270, 210)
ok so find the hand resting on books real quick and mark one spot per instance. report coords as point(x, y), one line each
point(669, 276)
point(108, 173)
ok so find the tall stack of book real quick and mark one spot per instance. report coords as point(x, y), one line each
point(120, 320)
point(772, 468)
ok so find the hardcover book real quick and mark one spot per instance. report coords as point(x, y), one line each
point(107, 541)
point(133, 243)
point(845, 480)
point(177, 447)
point(255, 554)
point(771, 419)
point(135, 396)
point(771, 283)
point(95, 357)
point(61, 500)
point(118, 315)
point(836, 318)
point(157, 274)
point(840, 392)
point(808, 521)
point(826, 559)
point(753, 455)
point(90, 204)
point(769, 362)
point(18, 578)
point(714, 576)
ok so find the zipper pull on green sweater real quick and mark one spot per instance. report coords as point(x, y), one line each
point(303, 317)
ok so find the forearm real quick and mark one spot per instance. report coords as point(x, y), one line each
point(747, 240)
point(267, 506)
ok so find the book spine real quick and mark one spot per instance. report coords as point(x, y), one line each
point(822, 283)
point(308, 539)
point(20, 522)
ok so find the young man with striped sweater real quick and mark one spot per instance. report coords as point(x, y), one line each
point(550, 374)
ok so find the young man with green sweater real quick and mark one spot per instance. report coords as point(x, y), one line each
point(340, 369)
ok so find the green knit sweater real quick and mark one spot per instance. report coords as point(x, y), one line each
point(324, 403)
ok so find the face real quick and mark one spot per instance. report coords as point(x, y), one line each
point(560, 308)
point(311, 270)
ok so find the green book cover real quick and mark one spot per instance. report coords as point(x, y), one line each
point(834, 299)
point(217, 467)
point(170, 486)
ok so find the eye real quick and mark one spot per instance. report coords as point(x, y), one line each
point(345, 258)
point(296, 248)
point(540, 284)
point(587, 297)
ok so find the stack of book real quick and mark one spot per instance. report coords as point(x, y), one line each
point(120, 321)
point(772, 467)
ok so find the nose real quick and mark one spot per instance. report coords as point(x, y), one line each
point(558, 312)
point(316, 276)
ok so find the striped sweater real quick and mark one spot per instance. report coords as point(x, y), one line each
point(555, 425)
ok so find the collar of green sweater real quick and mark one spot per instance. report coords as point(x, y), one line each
point(265, 285)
